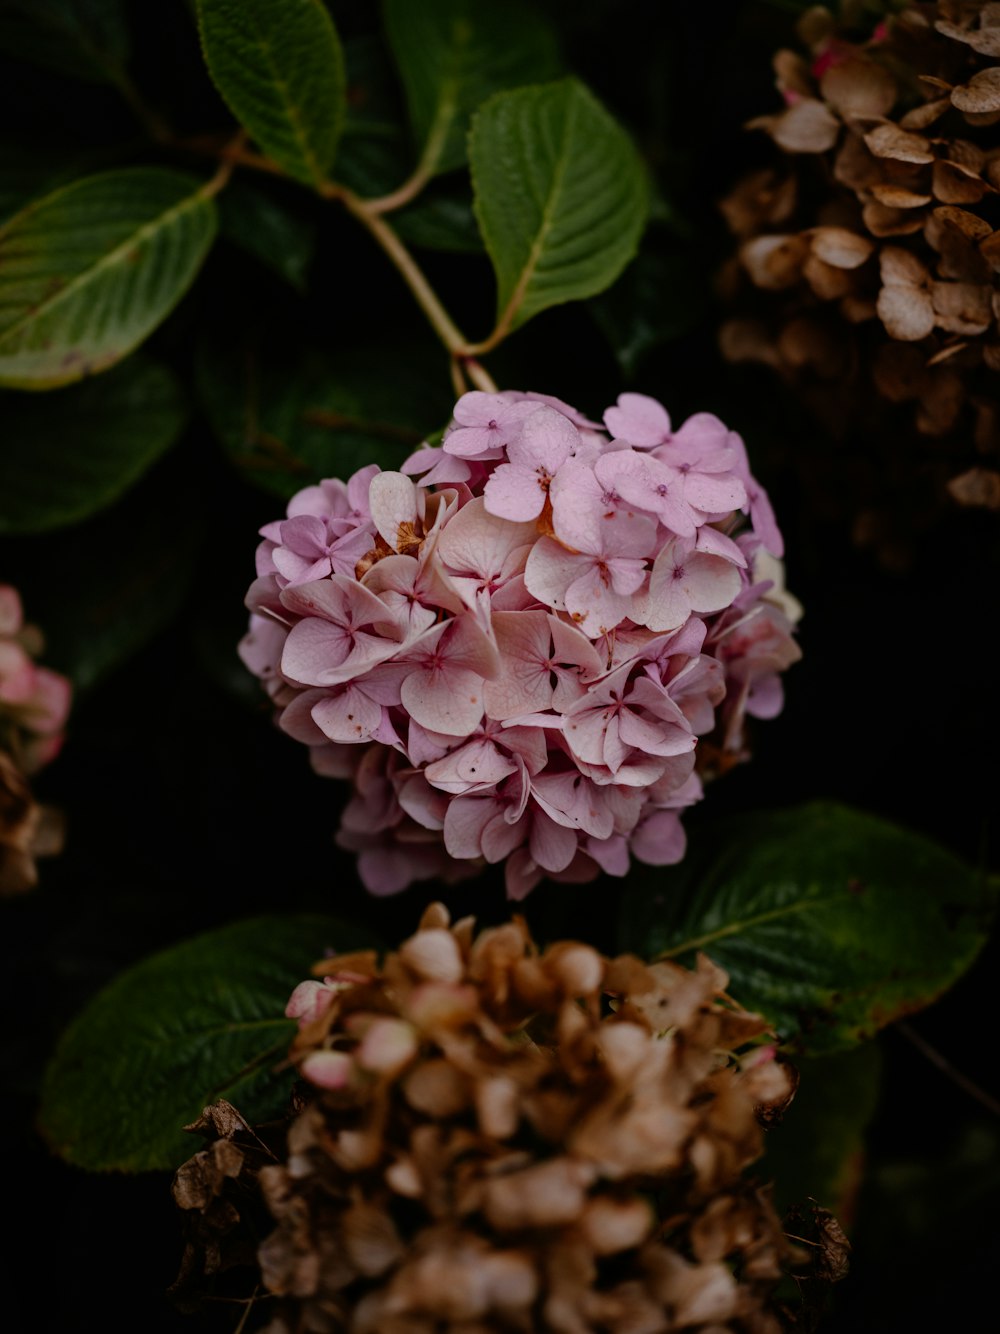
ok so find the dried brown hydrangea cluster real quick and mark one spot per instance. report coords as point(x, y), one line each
point(874, 247)
point(513, 1140)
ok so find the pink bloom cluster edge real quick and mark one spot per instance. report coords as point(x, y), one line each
point(512, 646)
point(34, 701)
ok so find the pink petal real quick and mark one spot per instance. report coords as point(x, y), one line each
point(660, 839)
point(550, 571)
point(640, 420)
point(348, 716)
point(393, 502)
point(477, 542)
point(552, 846)
point(514, 493)
point(444, 699)
point(546, 441)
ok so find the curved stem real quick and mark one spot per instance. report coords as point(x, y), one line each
point(411, 273)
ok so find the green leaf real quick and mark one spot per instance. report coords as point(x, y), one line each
point(121, 577)
point(441, 218)
point(280, 68)
point(269, 231)
point(560, 194)
point(288, 415)
point(89, 271)
point(453, 54)
point(84, 39)
point(818, 1150)
point(659, 297)
point(199, 1021)
point(72, 453)
point(830, 922)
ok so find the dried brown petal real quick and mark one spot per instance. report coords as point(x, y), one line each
point(762, 199)
point(962, 308)
point(899, 267)
point(549, 1194)
point(906, 312)
point(829, 283)
point(774, 262)
point(859, 87)
point(955, 183)
point(841, 248)
point(919, 118)
point(969, 224)
point(882, 221)
point(898, 196)
point(792, 73)
point(436, 1088)
point(805, 127)
point(978, 488)
point(854, 166)
point(990, 251)
point(889, 141)
point(981, 95)
point(433, 954)
point(612, 1225)
point(984, 40)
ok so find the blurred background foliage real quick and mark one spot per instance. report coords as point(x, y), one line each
point(298, 353)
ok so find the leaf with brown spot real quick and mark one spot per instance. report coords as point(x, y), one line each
point(769, 897)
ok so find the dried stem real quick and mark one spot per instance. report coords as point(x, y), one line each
point(935, 1057)
point(368, 213)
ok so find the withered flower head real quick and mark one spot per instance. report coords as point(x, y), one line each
point(874, 244)
point(502, 1138)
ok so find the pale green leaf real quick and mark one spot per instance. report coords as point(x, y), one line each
point(453, 54)
point(830, 922)
point(560, 194)
point(69, 454)
point(200, 1021)
point(279, 66)
point(87, 272)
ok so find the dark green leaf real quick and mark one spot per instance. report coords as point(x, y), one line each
point(71, 453)
point(830, 922)
point(560, 194)
point(90, 270)
point(280, 68)
point(119, 578)
point(269, 231)
point(85, 39)
point(288, 415)
point(453, 54)
point(818, 1150)
point(200, 1021)
point(441, 218)
point(658, 298)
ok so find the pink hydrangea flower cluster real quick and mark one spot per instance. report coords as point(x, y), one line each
point(34, 702)
point(512, 646)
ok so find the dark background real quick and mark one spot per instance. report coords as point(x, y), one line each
point(186, 809)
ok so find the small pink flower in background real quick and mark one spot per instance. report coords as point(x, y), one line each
point(512, 647)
